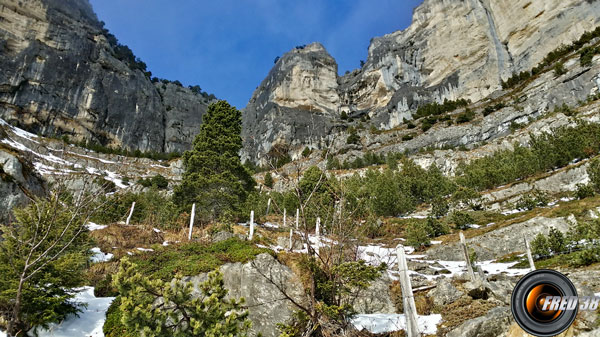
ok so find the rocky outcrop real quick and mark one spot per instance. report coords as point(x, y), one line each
point(260, 283)
point(59, 74)
point(495, 323)
point(18, 181)
point(502, 241)
point(452, 50)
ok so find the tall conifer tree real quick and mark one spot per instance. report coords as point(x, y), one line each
point(214, 177)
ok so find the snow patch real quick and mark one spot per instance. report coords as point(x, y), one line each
point(99, 256)
point(384, 323)
point(145, 249)
point(90, 320)
point(94, 227)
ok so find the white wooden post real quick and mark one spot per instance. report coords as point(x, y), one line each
point(297, 217)
point(192, 222)
point(291, 238)
point(284, 214)
point(408, 300)
point(317, 235)
point(130, 213)
point(467, 259)
point(251, 235)
point(268, 206)
point(317, 227)
point(529, 256)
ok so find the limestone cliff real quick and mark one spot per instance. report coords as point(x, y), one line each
point(452, 50)
point(60, 75)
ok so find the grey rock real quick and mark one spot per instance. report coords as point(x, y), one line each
point(434, 59)
point(376, 299)
point(500, 242)
point(59, 75)
point(444, 293)
point(284, 241)
point(267, 306)
point(495, 323)
point(18, 182)
point(222, 236)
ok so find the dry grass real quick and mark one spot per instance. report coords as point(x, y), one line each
point(461, 310)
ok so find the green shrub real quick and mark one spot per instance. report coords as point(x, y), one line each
point(465, 117)
point(540, 245)
point(435, 109)
point(417, 236)
point(344, 115)
point(593, 171)
point(151, 208)
point(435, 227)
point(585, 257)
point(556, 241)
point(461, 220)
point(559, 69)
point(157, 181)
point(584, 191)
point(268, 180)
point(587, 54)
point(407, 137)
point(547, 151)
point(493, 108)
point(532, 200)
point(353, 137)
point(306, 152)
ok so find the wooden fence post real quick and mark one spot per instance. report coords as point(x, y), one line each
point(467, 259)
point(130, 213)
point(251, 235)
point(192, 222)
point(268, 206)
point(529, 256)
point(317, 235)
point(297, 217)
point(291, 239)
point(408, 300)
point(284, 215)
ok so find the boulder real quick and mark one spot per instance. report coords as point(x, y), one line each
point(495, 323)
point(261, 283)
point(444, 293)
point(376, 299)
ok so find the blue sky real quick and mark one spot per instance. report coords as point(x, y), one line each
point(228, 46)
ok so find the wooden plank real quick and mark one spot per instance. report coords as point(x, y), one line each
point(467, 259)
point(408, 300)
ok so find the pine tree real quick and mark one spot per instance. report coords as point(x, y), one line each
point(155, 308)
point(269, 180)
point(214, 177)
point(43, 254)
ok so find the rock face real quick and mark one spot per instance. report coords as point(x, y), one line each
point(18, 181)
point(452, 50)
point(267, 306)
point(495, 323)
point(500, 242)
point(60, 75)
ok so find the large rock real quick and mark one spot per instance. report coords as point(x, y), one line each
point(376, 299)
point(261, 282)
point(18, 182)
point(500, 242)
point(444, 293)
point(452, 49)
point(59, 75)
point(495, 323)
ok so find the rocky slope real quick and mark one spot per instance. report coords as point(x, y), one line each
point(59, 75)
point(452, 50)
